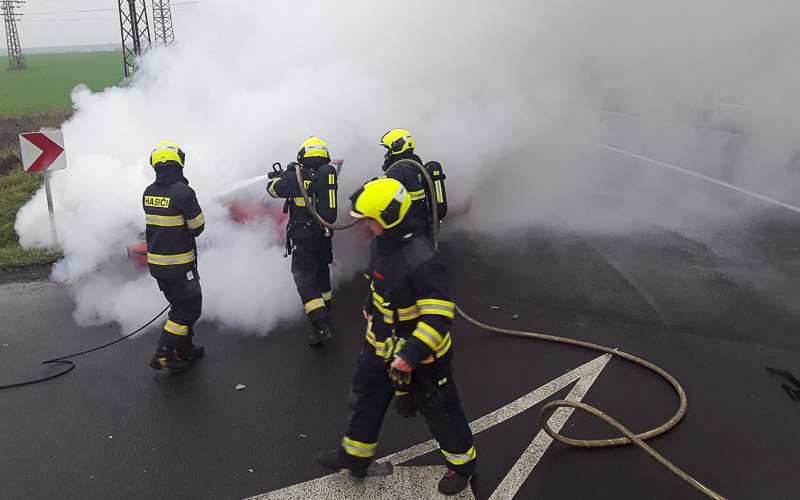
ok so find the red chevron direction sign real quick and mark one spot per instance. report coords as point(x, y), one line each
point(42, 151)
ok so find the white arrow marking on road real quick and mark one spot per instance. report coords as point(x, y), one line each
point(419, 482)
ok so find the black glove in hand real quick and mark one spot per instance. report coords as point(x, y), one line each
point(404, 404)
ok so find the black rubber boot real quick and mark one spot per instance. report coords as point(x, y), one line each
point(454, 482)
point(166, 359)
point(193, 352)
point(331, 460)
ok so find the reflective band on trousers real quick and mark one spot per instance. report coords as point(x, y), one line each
point(164, 220)
point(357, 448)
point(460, 459)
point(170, 260)
point(196, 222)
point(176, 329)
point(327, 295)
point(313, 304)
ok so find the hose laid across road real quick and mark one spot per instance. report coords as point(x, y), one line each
point(549, 408)
point(65, 360)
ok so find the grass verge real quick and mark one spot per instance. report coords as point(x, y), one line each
point(16, 188)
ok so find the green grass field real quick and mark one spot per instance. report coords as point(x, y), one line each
point(46, 82)
point(36, 97)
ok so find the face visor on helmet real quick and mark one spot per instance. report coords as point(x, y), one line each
point(385, 200)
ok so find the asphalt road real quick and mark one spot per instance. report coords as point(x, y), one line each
point(713, 310)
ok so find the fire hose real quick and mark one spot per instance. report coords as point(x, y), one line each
point(544, 415)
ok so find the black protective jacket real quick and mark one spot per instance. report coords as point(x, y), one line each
point(409, 293)
point(417, 187)
point(321, 184)
point(174, 219)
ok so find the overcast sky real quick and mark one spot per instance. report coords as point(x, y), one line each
point(55, 23)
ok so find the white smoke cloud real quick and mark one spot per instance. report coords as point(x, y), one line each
point(510, 96)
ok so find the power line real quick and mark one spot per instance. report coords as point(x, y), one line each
point(93, 10)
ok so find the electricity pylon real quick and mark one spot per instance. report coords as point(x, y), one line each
point(135, 32)
point(162, 23)
point(15, 59)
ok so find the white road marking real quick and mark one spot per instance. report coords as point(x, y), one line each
point(404, 484)
point(419, 482)
point(705, 178)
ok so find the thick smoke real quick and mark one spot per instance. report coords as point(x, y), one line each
point(512, 97)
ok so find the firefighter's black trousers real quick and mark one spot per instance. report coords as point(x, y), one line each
point(186, 303)
point(370, 395)
point(312, 276)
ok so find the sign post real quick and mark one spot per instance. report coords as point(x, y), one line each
point(42, 152)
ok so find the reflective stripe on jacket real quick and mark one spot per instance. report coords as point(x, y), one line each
point(173, 219)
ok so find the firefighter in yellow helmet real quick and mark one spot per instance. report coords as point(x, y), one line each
point(174, 219)
point(407, 352)
point(308, 241)
point(400, 145)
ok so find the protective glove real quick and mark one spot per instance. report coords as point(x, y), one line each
point(404, 404)
point(391, 347)
point(400, 380)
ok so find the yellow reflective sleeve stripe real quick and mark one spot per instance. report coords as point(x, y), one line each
point(460, 458)
point(164, 220)
point(428, 334)
point(175, 328)
point(313, 304)
point(332, 198)
point(439, 197)
point(408, 313)
point(300, 202)
point(357, 448)
point(440, 350)
point(327, 295)
point(271, 189)
point(196, 222)
point(434, 306)
point(388, 316)
point(381, 306)
point(417, 195)
point(170, 260)
point(380, 347)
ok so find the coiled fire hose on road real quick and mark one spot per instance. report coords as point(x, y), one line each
point(549, 408)
point(65, 360)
